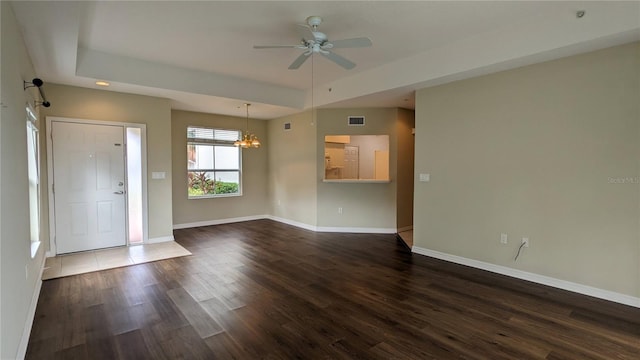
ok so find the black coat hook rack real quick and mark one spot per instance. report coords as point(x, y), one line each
point(37, 83)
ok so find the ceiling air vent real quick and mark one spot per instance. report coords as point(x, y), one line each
point(355, 120)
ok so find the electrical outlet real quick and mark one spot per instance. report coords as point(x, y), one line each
point(525, 241)
point(339, 210)
point(503, 238)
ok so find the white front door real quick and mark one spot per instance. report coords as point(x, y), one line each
point(89, 191)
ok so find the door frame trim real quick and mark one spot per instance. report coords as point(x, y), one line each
point(50, 195)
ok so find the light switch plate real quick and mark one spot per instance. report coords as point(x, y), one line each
point(425, 177)
point(158, 175)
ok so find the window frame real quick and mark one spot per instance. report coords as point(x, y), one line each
point(33, 175)
point(214, 143)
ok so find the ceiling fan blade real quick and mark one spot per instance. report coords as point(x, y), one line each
point(339, 60)
point(352, 43)
point(299, 61)
point(277, 46)
point(305, 32)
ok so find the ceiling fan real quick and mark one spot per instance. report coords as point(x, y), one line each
point(314, 41)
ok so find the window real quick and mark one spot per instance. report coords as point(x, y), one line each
point(33, 162)
point(135, 184)
point(213, 163)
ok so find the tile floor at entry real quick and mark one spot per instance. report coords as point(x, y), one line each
point(88, 261)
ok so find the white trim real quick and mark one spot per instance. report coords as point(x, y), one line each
point(333, 229)
point(356, 230)
point(145, 191)
point(288, 222)
point(540, 279)
point(293, 223)
point(356, 181)
point(35, 245)
point(26, 331)
point(160, 239)
point(405, 228)
point(95, 122)
point(50, 195)
point(145, 205)
point(218, 221)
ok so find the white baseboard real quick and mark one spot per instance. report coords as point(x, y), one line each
point(160, 239)
point(292, 223)
point(360, 230)
point(26, 332)
point(289, 222)
point(218, 222)
point(540, 279)
point(405, 228)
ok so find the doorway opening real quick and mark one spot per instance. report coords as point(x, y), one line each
point(101, 174)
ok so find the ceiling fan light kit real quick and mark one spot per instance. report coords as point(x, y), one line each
point(313, 41)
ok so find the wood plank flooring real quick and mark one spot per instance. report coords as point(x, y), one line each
point(262, 289)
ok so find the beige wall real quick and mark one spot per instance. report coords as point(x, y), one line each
point(405, 176)
point(530, 152)
point(367, 147)
point(292, 169)
point(253, 201)
point(363, 205)
point(19, 274)
point(91, 104)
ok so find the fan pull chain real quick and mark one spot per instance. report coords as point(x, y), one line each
point(312, 111)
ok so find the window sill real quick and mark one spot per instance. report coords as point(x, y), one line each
point(356, 181)
point(34, 248)
point(212, 196)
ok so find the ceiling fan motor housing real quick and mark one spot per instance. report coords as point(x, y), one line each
point(314, 21)
point(319, 36)
point(314, 41)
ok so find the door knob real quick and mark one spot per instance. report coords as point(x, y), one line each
point(119, 192)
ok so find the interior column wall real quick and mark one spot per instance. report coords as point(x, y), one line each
point(364, 205)
point(406, 150)
point(92, 104)
point(292, 169)
point(549, 152)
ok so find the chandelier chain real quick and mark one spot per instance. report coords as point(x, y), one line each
point(247, 140)
point(312, 86)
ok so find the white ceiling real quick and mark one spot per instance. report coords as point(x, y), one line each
point(200, 54)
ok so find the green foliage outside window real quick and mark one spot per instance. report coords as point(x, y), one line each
point(200, 185)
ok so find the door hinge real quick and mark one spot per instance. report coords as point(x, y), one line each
point(53, 188)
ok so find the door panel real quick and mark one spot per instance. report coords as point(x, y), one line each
point(88, 168)
point(351, 162)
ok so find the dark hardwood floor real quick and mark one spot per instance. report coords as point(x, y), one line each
point(262, 289)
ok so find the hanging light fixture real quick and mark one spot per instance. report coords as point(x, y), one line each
point(247, 140)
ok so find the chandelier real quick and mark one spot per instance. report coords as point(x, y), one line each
point(248, 140)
